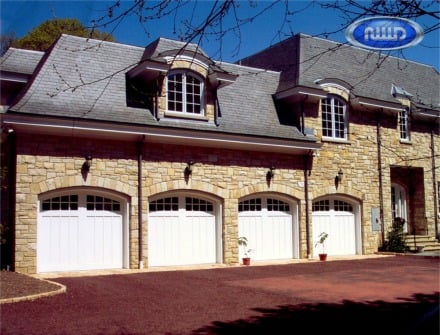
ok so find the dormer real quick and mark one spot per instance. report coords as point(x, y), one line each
point(16, 69)
point(336, 87)
point(177, 83)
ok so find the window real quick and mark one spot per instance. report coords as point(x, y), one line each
point(99, 203)
point(277, 205)
point(165, 204)
point(334, 118)
point(194, 204)
point(250, 205)
point(185, 93)
point(403, 125)
point(321, 205)
point(65, 202)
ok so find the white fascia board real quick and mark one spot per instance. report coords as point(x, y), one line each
point(301, 90)
point(374, 104)
point(157, 135)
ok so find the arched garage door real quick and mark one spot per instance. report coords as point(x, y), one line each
point(337, 218)
point(270, 225)
point(80, 231)
point(183, 230)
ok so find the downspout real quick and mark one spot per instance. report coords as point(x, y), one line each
point(307, 160)
point(156, 100)
point(434, 184)
point(379, 170)
point(216, 106)
point(303, 126)
point(140, 146)
point(8, 197)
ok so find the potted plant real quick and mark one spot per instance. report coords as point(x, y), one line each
point(321, 240)
point(242, 241)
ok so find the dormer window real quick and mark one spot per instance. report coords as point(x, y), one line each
point(185, 93)
point(334, 118)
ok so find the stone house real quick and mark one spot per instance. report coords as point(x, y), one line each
point(115, 156)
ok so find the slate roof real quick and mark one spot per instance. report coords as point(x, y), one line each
point(20, 61)
point(303, 59)
point(85, 79)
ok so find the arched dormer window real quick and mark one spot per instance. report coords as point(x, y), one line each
point(185, 92)
point(334, 117)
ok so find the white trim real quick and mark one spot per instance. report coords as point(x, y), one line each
point(161, 135)
point(376, 105)
point(171, 59)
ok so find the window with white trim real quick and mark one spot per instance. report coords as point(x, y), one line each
point(404, 125)
point(185, 92)
point(334, 119)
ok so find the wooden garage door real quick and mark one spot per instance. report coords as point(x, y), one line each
point(181, 231)
point(337, 219)
point(267, 224)
point(79, 232)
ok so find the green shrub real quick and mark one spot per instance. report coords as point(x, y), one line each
point(395, 239)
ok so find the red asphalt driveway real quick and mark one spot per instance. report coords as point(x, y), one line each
point(386, 295)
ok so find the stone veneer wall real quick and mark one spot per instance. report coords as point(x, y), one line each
point(51, 163)
point(358, 159)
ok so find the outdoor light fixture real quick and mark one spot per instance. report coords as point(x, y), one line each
point(88, 163)
point(339, 176)
point(8, 130)
point(188, 168)
point(270, 174)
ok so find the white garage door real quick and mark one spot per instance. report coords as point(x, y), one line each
point(337, 219)
point(181, 231)
point(268, 225)
point(79, 232)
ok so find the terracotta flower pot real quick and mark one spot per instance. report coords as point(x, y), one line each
point(246, 261)
point(322, 257)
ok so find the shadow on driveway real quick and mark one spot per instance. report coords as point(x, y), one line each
point(386, 295)
point(419, 315)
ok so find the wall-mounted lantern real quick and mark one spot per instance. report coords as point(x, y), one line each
point(188, 169)
point(87, 163)
point(339, 176)
point(270, 174)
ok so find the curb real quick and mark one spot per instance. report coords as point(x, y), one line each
point(61, 289)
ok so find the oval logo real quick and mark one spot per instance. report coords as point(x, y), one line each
point(384, 33)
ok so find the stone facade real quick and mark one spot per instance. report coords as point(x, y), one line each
point(53, 163)
point(372, 159)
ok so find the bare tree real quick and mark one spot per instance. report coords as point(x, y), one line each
point(214, 20)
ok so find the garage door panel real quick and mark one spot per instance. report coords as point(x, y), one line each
point(203, 238)
point(340, 226)
point(79, 239)
point(269, 232)
point(163, 239)
point(58, 247)
point(181, 232)
point(278, 237)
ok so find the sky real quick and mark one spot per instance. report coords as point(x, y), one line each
point(268, 28)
